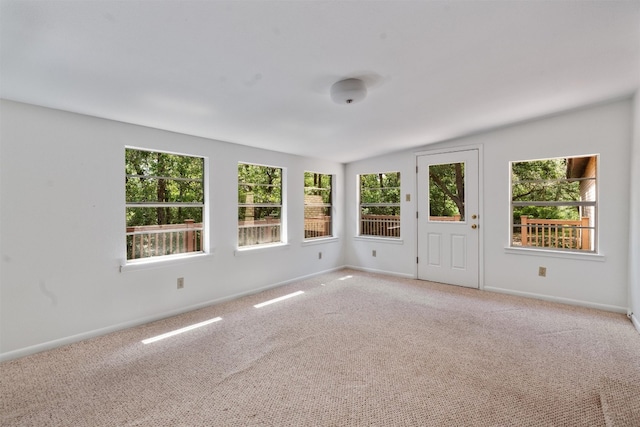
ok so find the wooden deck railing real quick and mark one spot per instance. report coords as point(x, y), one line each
point(146, 241)
point(556, 233)
point(380, 225)
point(156, 240)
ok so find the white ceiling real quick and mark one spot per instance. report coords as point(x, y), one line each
point(258, 72)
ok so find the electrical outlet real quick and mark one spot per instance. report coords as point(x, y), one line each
point(542, 271)
point(373, 253)
point(319, 255)
point(180, 282)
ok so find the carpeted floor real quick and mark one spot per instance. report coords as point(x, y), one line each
point(355, 349)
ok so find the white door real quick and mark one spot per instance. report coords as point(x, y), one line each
point(448, 218)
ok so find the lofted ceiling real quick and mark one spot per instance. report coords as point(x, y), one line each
point(258, 73)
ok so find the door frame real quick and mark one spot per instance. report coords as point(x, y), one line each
point(481, 221)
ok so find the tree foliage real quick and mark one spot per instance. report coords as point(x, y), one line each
point(153, 177)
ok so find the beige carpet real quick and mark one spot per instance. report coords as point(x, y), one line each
point(620, 403)
point(354, 349)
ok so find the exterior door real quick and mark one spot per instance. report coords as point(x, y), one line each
point(448, 218)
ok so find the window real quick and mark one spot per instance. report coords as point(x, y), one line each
point(554, 203)
point(318, 197)
point(380, 204)
point(165, 204)
point(446, 192)
point(259, 205)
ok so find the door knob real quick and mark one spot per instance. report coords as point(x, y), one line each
point(474, 226)
point(474, 216)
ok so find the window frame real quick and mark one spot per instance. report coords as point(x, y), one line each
point(322, 205)
point(204, 205)
point(362, 205)
point(593, 225)
point(282, 206)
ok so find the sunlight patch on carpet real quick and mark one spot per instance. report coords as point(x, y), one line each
point(282, 298)
point(180, 331)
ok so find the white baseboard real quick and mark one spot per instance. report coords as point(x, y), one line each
point(605, 307)
point(49, 345)
point(388, 273)
point(635, 321)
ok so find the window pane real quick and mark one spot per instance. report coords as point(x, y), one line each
point(554, 233)
point(251, 213)
point(318, 186)
point(379, 224)
point(380, 204)
point(548, 190)
point(259, 195)
point(139, 216)
point(146, 189)
point(259, 184)
point(151, 163)
point(446, 192)
point(381, 210)
point(155, 243)
point(258, 226)
point(317, 222)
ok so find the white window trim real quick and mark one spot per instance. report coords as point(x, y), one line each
point(393, 240)
point(319, 240)
point(284, 240)
point(164, 261)
point(326, 205)
point(368, 237)
point(256, 249)
point(566, 254)
point(550, 252)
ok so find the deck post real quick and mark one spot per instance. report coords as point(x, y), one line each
point(189, 235)
point(524, 230)
point(585, 241)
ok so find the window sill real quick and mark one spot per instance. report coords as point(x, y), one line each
point(319, 241)
point(165, 261)
point(250, 250)
point(391, 240)
point(588, 256)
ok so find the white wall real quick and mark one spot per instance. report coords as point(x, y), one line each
point(62, 222)
point(62, 229)
point(593, 281)
point(634, 224)
point(393, 256)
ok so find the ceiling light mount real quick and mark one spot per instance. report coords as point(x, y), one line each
point(348, 91)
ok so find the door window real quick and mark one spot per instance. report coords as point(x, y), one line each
point(446, 192)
